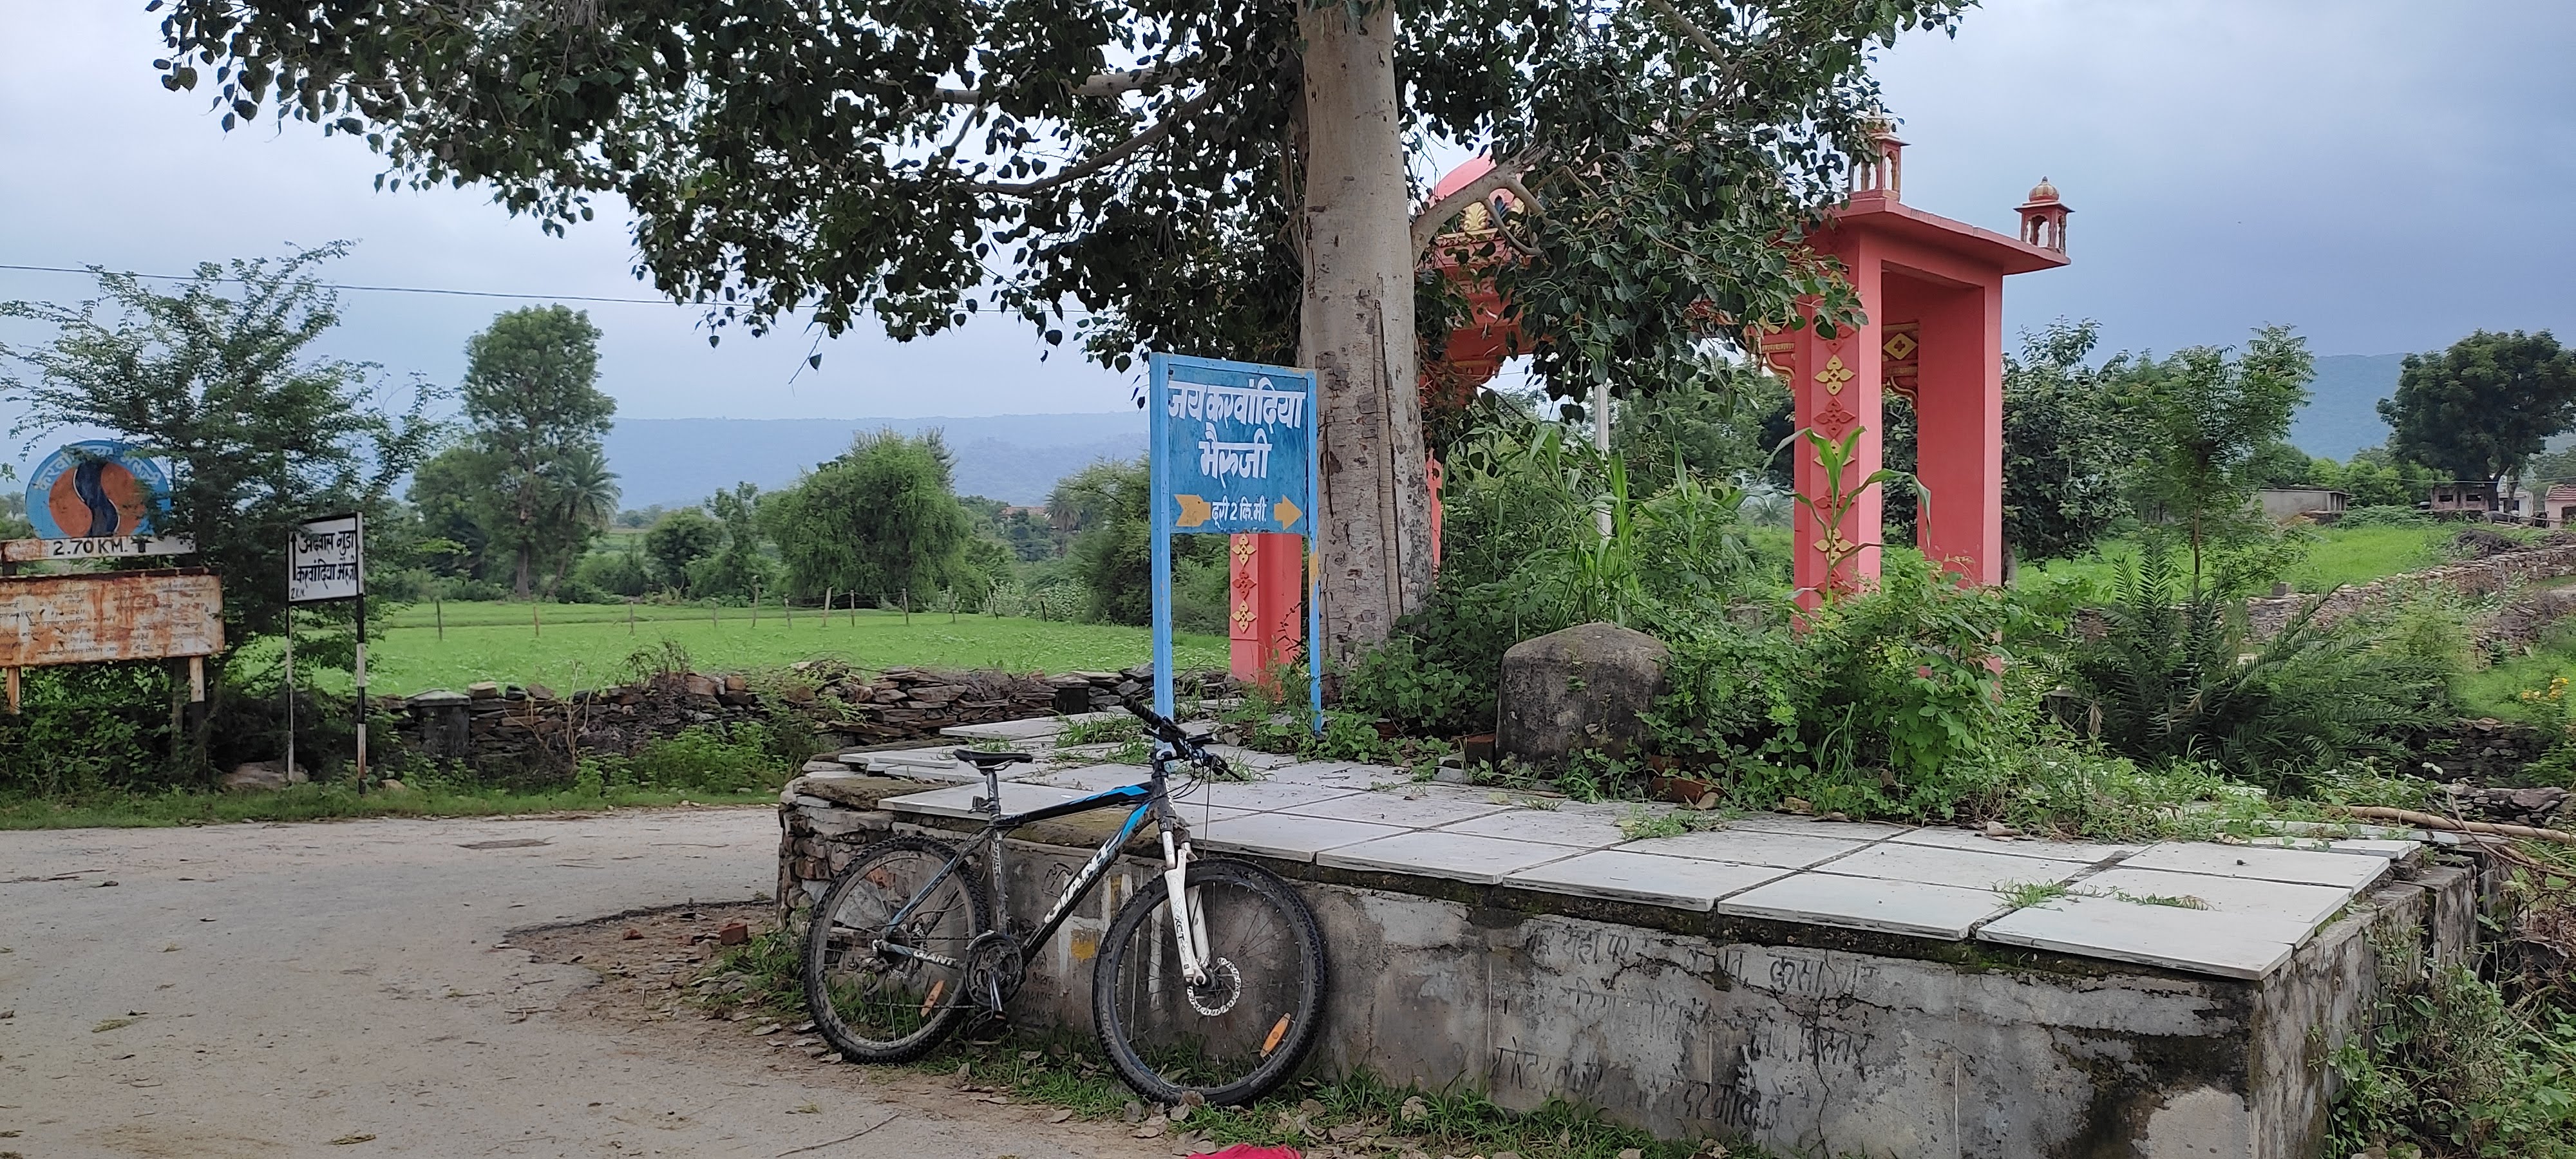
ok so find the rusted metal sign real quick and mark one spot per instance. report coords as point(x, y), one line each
point(103, 616)
point(94, 547)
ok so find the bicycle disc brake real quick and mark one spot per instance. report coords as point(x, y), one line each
point(1223, 989)
point(993, 970)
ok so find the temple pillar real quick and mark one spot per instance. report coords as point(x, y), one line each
point(1959, 430)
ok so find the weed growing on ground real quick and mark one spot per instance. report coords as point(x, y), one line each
point(1640, 822)
point(1101, 730)
point(2025, 894)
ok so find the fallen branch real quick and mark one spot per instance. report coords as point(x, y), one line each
point(2436, 821)
point(890, 1117)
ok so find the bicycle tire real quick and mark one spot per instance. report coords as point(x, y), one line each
point(1129, 982)
point(945, 1000)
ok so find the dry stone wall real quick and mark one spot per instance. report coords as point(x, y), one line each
point(495, 726)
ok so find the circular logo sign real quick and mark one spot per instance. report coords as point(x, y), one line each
point(96, 487)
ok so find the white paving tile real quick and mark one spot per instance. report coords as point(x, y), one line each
point(1902, 907)
point(1483, 860)
point(1748, 847)
point(1395, 808)
point(1283, 835)
point(1333, 774)
point(2293, 865)
point(1033, 728)
point(1569, 825)
point(956, 800)
point(1681, 882)
point(1089, 777)
point(1260, 796)
point(2087, 852)
point(1810, 827)
point(1964, 868)
point(2302, 906)
point(1244, 758)
point(2228, 945)
point(2391, 848)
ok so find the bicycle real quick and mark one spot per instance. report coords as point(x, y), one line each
point(1219, 1007)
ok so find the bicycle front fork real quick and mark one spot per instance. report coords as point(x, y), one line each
point(1189, 920)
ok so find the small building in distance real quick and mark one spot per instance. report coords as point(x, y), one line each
point(2464, 499)
point(2315, 504)
point(2558, 505)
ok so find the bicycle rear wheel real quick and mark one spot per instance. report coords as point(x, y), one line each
point(1242, 1033)
point(874, 994)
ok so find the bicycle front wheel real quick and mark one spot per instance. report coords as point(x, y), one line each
point(885, 990)
point(1240, 1032)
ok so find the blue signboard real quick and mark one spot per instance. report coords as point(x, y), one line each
point(96, 488)
point(1233, 451)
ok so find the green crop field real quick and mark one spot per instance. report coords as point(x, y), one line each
point(568, 646)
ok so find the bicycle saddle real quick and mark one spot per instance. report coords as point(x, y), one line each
point(990, 762)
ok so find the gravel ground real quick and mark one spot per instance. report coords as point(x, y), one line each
point(355, 988)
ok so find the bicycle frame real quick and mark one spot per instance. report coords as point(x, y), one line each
point(1152, 799)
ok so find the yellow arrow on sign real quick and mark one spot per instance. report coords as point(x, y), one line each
point(1194, 511)
point(1286, 513)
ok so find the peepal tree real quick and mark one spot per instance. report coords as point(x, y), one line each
point(1209, 177)
point(2484, 407)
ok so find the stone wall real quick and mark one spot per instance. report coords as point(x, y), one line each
point(2514, 625)
point(509, 727)
point(1801, 1038)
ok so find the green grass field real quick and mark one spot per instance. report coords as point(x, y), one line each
point(2336, 556)
point(569, 646)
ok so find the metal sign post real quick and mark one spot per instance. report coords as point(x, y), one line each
point(326, 560)
point(1233, 450)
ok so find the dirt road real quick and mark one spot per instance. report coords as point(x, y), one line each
point(345, 990)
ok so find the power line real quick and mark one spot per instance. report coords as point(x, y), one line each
point(369, 289)
point(404, 289)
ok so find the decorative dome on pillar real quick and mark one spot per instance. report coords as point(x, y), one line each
point(2043, 218)
point(1883, 171)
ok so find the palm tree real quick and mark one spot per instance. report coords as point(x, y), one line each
point(581, 498)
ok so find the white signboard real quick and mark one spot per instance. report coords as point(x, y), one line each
point(95, 547)
point(327, 561)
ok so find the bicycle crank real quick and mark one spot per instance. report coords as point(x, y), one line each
point(993, 970)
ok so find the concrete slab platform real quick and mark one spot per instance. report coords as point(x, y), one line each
point(1089, 777)
point(2230, 945)
point(1391, 808)
point(1332, 774)
point(1865, 903)
point(1810, 827)
point(1032, 728)
point(1457, 856)
point(1572, 825)
point(956, 800)
point(2087, 852)
point(1964, 868)
point(1260, 796)
point(2291, 865)
point(1681, 882)
point(2302, 906)
point(1283, 835)
point(1244, 758)
point(2394, 849)
point(1748, 847)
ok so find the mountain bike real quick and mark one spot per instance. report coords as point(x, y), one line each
point(1210, 981)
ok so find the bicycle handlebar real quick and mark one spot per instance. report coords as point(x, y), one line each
point(1169, 731)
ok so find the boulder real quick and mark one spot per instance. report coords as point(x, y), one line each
point(263, 776)
point(483, 690)
point(1583, 688)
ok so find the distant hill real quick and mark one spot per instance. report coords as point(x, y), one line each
point(1013, 458)
point(2342, 414)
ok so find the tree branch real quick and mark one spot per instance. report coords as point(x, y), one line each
point(1688, 28)
point(1107, 84)
point(1504, 175)
point(1112, 155)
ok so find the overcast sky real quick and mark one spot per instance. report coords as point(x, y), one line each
point(2376, 172)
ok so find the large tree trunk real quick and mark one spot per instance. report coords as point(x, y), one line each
point(1355, 328)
